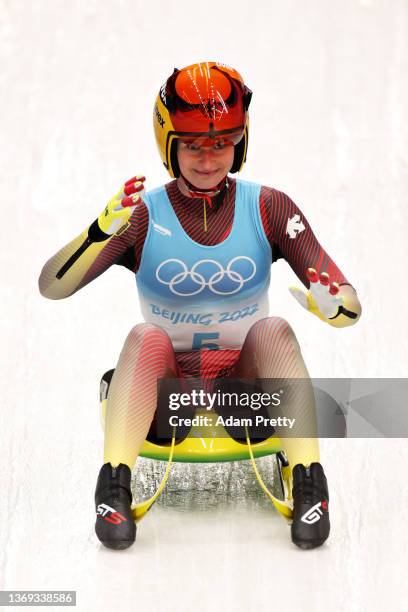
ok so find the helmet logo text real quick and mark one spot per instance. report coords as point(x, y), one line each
point(163, 93)
point(158, 116)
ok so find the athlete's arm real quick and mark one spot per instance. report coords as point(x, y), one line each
point(291, 237)
point(99, 246)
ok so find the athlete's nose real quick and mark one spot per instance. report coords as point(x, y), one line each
point(206, 158)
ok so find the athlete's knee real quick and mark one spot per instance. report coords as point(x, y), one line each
point(274, 327)
point(147, 335)
point(272, 335)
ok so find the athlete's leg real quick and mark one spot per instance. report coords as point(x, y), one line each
point(131, 404)
point(147, 355)
point(271, 350)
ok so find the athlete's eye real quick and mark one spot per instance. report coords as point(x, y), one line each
point(193, 147)
point(220, 144)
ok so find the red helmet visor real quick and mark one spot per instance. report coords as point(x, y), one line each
point(213, 142)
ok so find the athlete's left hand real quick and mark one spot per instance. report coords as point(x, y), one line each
point(322, 298)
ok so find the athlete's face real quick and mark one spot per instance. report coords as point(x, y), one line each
point(205, 163)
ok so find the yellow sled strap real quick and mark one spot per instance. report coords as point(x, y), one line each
point(139, 510)
point(284, 507)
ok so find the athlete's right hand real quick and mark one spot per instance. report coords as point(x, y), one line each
point(119, 209)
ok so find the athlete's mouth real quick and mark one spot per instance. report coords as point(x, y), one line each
point(206, 173)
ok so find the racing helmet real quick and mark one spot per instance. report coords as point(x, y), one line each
point(207, 100)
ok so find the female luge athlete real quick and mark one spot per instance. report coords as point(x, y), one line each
point(201, 247)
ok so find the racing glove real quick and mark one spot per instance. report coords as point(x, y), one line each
point(326, 300)
point(115, 217)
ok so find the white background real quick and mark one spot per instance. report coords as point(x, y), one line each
point(328, 127)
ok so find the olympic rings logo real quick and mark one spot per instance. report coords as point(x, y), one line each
point(198, 278)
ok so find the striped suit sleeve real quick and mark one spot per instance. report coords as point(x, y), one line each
point(89, 255)
point(292, 238)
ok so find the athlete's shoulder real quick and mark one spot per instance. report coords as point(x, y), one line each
point(277, 202)
point(274, 193)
